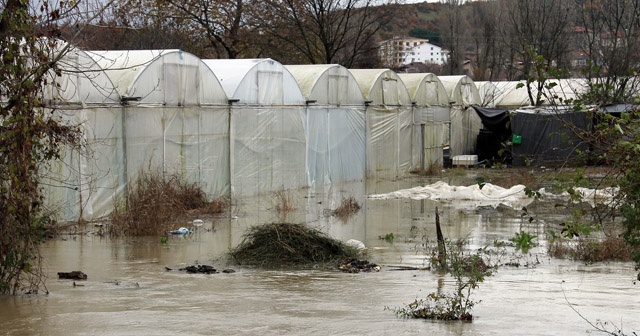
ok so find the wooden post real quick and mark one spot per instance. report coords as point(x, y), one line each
point(442, 250)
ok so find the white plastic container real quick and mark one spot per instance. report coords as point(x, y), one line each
point(464, 160)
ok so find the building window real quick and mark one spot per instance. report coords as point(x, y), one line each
point(581, 62)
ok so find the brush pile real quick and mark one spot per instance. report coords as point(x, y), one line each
point(290, 245)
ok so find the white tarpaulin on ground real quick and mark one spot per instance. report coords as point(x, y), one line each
point(464, 196)
point(470, 197)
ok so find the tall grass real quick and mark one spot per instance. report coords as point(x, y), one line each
point(348, 206)
point(155, 202)
point(592, 250)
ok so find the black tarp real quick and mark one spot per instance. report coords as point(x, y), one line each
point(495, 133)
point(547, 137)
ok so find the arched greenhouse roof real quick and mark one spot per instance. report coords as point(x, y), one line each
point(461, 90)
point(488, 92)
point(257, 81)
point(559, 91)
point(425, 89)
point(82, 79)
point(382, 87)
point(327, 84)
point(168, 77)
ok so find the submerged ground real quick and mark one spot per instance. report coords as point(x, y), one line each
point(130, 292)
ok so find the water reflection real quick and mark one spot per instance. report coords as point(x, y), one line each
point(129, 292)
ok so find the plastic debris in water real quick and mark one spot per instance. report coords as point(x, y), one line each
point(182, 230)
point(355, 244)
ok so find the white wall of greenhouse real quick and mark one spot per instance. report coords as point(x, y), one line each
point(334, 123)
point(465, 122)
point(84, 183)
point(431, 118)
point(267, 134)
point(389, 121)
point(174, 119)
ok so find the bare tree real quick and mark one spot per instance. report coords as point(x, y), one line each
point(610, 36)
point(326, 31)
point(31, 135)
point(489, 59)
point(454, 25)
point(536, 35)
point(222, 25)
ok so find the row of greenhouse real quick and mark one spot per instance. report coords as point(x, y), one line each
point(252, 127)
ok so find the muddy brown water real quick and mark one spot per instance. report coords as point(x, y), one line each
point(129, 291)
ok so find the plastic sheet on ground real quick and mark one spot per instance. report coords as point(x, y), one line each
point(470, 197)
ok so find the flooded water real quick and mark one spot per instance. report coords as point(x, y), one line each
point(129, 291)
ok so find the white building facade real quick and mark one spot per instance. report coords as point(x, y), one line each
point(393, 52)
point(426, 53)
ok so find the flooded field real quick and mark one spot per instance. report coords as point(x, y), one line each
point(130, 292)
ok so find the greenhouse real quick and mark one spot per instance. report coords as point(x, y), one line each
point(488, 92)
point(558, 92)
point(83, 184)
point(465, 122)
point(388, 123)
point(249, 127)
point(266, 126)
point(431, 119)
point(334, 123)
point(174, 116)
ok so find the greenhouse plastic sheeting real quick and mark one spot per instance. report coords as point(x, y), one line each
point(336, 144)
point(389, 122)
point(430, 114)
point(431, 127)
point(267, 150)
point(465, 127)
point(334, 124)
point(267, 133)
point(389, 148)
point(189, 142)
point(83, 184)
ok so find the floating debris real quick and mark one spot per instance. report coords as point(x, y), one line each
point(356, 244)
point(181, 231)
point(201, 269)
point(357, 266)
point(406, 268)
point(204, 269)
point(74, 275)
